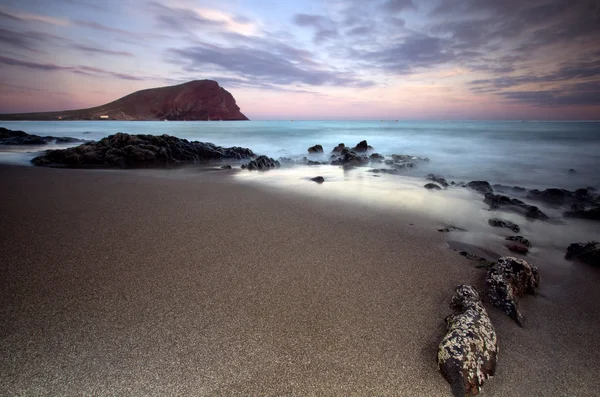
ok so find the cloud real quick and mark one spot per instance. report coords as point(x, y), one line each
point(570, 95)
point(398, 5)
point(325, 28)
point(50, 67)
point(98, 50)
point(27, 17)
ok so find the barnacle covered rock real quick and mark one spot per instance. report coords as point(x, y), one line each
point(467, 354)
point(509, 280)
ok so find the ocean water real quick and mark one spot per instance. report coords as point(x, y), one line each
point(528, 154)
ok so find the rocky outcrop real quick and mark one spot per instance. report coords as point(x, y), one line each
point(376, 157)
point(350, 158)
point(10, 137)
point(451, 228)
point(517, 248)
point(261, 163)
point(480, 186)
point(585, 252)
point(315, 149)
point(496, 201)
point(318, 179)
point(130, 151)
point(509, 280)
point(432, 186)
point(496, 222)
point(519, 239)
point(194, 100)
point(593, 214)
point(468, 352)
point(437, 179)
point(362, 146)
point(482, 263)
point(338, 148)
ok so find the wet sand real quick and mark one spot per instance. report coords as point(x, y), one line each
point(154, 284)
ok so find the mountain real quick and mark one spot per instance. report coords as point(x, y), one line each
point(194, 100)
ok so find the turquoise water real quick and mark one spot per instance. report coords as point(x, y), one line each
point(528, 154)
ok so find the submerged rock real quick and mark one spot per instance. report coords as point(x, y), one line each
point(437, 179)
point(452, 228)
point(593, 214)
point(376, 157)
point(482, 263)
point(391, 171)
point(225, 167)
point(496, 201)
point(585, 252)
point(480, 186)
point(315, 149)
point(10, 137)
point(348, 157)
point(520, 240)
point(497, 222)
point(550, 196)
point(518, 248)
point(468, 352)
point(125, 150)
point(261, 163)
point(362, 146)
point(507, 281)
point(318, 179)
point(432, 186)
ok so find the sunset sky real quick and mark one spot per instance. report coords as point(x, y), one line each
point(310, 59)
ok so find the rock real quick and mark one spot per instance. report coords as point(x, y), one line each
point(519, 239)
point(482, 263)
point(362, 146)
point(437, 179)
point(261, 163)
point(338, 148)
point(577, 207)
point(467, 354)
point(315, 149)
point(572, 171)
point(125, 150)
point(10, 137)
point(451, 228)
point(517, 190)
point(509, 280)
point(496, 222)
point(593, 214)
point(225, 167)
point(376, 157)
point(286, 160)
point(496, 201)
point(518, 248)
point(384, 171)
point(585, 252)
point(550, 196)
point(432, 186)
point(318, 179)
point(480, 186)
point(348, 157)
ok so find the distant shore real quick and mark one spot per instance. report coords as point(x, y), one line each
point(174, 283)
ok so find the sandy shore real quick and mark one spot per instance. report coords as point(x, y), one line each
point(125, 283)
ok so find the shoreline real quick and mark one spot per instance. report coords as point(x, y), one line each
point(160, 283)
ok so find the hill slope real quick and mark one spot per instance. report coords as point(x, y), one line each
point(195, 100)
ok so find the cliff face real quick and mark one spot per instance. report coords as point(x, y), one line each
point(195, 100)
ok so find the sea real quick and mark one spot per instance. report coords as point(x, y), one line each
point(528, 154)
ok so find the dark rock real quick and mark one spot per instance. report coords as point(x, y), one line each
point(496, 201)
point(362, 147)
point(585, 252)
point(310, 162)
point(437, 179)
point(261, 163)
point(286, 161)
point(518, 248)
point(593, 214)
point(480, 186)
point(432, 186)
point(125, 150)
point(468, 352)
point(517, 190)
point(482, 263)
point(550, 196)
point(10, 137)
point(451, 228)
point(519, 239)
point(495, 222)
point(348, 157)
point(510, 279)
point(376, 157)
point(577, 207)
point(315, 149)
point(225, 167)
point(318, 179)
point(390, 171)
point(572, 171)
point(338, 148)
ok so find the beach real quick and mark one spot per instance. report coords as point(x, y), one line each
point(154, 283)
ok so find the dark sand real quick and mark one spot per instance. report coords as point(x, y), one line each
point(129, 284)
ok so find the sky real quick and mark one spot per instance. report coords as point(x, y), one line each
point(311, 59)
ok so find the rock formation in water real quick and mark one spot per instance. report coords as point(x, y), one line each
point(261, 163)
point(10, 137)
point(468, 352)
point(124, 150)
point(585, 252)
point(195, 100)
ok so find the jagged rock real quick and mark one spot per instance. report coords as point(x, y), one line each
point(315, 149)
point(550, 196)
point(225, 167)
point(338, 148)
point(261, 163)
point(520, 240)
point(451, 228)
point(125, 150)
point(318, 179)
point(437, 179)
point(467, 354)
point(362, 146)
point(480, 186)
point(593, 214)
point(348, 157)
point(509, 189)
point(496, 201)
point(310, 162)
point(390, 171)
point(432, 186)
point(585, 252)
point(496, 222)
point(482, 263)
point(518, 248)
point(509, 280)
point(376, 157)
point(10, 137)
